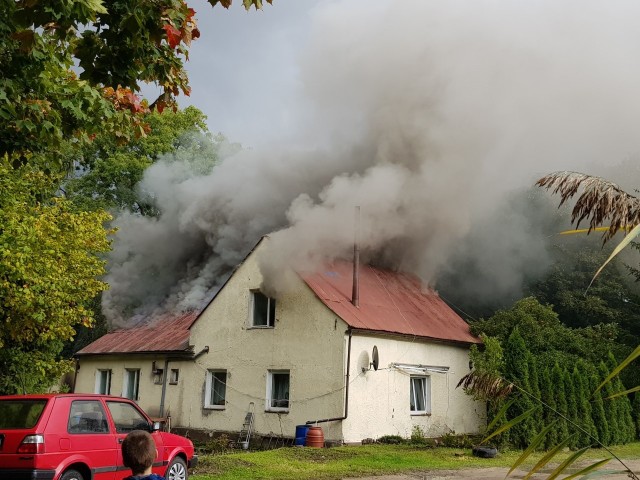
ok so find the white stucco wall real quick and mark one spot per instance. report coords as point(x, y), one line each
point(308, 340)
point(379, 400)
point(149, 393)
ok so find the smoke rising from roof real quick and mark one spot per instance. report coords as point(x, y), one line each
point(428, 115)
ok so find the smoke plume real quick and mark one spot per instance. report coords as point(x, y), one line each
point(428, 115)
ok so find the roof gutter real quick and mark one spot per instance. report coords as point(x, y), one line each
point(346, 390)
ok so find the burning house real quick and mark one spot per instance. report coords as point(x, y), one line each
point(384, 364)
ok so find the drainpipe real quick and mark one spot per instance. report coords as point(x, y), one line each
point(164, 385)
point(346, 390)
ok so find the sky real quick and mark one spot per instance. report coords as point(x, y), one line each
point(436, 118)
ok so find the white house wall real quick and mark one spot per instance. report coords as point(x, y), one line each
point(308, 340)
point(379, 400)
point(149, 392)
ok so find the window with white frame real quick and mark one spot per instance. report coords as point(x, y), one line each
point(131, 383)
point(278, 391)
point(263, 310)
point(420, 395)
point(103, 382)
point(216, 389)
point(175, 374)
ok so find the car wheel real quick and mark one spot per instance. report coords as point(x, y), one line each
point(177, 470)
point(71, 475)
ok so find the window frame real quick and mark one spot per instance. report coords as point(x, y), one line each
point(109, 376)
point(271, 311)
point(174, 376)
point(269, 407)
point(425, 382)
point(209, 384)
point(135, 395)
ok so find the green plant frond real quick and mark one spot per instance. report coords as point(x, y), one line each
point(591, 468)
point(623, 243)
point(621, 366)
point(549, 455)
point(626, 392)
point(510, 424)
point(500, 414)
point(560, 469)
point(531, 448)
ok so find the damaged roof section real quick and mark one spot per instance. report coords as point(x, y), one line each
point(165, 334)
point(389, 302)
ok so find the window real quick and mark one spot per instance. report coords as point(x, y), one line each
point(278, 391)
point(216, 389)
point(103, 382)
point(420, 398)
point(264, 310)
point(87, 416)
point(131, 383)
point(175, 373)
point(126, 417)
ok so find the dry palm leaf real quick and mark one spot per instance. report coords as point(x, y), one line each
point(600, 202)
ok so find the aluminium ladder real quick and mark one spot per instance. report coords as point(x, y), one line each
point(247, 428)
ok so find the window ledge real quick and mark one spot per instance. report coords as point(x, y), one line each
point(215, 407)
point(276, 410)
point(420, 414)
point(260, 327)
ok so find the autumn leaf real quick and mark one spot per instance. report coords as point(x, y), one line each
point(173, 35)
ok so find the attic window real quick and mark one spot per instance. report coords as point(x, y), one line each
point(263, 310)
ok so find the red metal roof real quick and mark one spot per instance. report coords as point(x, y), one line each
point(167, 333)
point(388, 302)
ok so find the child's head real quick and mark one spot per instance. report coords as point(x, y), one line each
point(138, 451)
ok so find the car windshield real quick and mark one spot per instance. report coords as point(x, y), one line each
point(17, 414)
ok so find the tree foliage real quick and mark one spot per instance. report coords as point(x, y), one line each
point(107, 172)
point(115, 46)
point(49, 265)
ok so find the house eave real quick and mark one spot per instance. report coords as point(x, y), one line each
point(181, 354)
point(409, 337)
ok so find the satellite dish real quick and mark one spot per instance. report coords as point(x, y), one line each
point(374, 358)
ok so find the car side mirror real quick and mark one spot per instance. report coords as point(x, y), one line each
point(154, 427)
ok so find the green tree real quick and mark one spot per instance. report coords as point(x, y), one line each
point(117, 45)
point(516, 358)
point(108, 172)
point(548, 397)
point(557, 381)
point(49, 271)
point(584, 409)
point(598, 412)
point(636, 413)
point(571, 396)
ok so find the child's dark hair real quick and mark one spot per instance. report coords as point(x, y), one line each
point(138, 451)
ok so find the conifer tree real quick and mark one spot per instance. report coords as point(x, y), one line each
point(598, 412)
point(623, 405)
point(572, 408)
point(610, 408)
point(557, 382)
point(636, 413)
point(516, 358)
point(548, 397)
point(534, 384)
point(584, 408)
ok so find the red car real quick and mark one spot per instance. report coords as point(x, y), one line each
point(78, 437)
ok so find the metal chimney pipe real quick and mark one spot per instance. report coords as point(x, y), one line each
point(355, 293)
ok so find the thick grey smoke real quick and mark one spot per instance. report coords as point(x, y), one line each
point(427, 115)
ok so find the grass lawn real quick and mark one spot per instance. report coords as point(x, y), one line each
point(300, 463)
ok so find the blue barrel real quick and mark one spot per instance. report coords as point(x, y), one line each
point(301, 434)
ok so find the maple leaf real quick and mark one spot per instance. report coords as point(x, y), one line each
point(173, 35)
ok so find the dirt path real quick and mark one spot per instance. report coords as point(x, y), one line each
point(496, 473)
